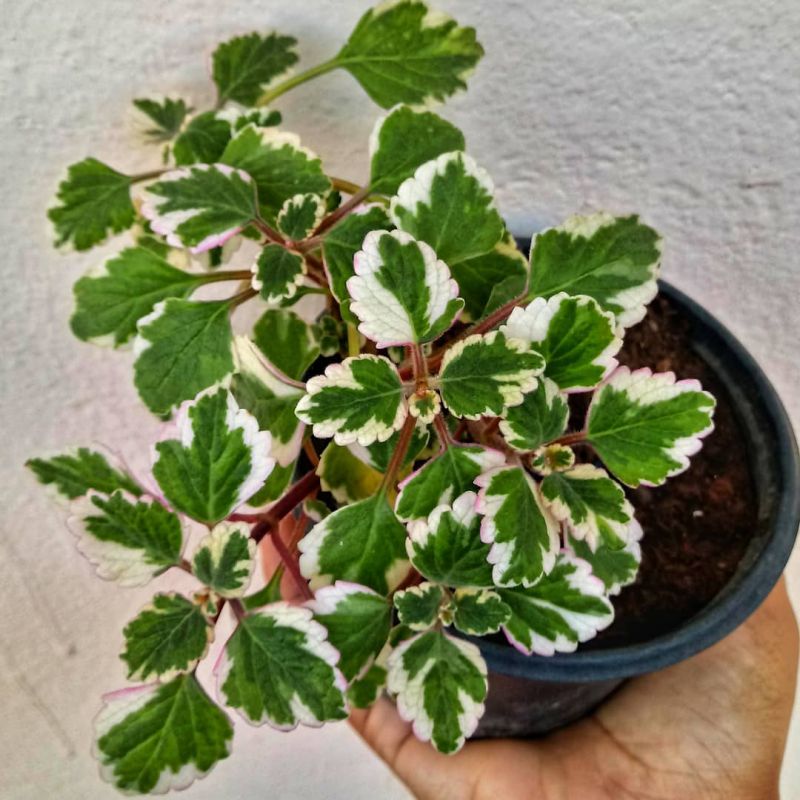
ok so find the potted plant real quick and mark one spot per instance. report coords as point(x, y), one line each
point(433, 431)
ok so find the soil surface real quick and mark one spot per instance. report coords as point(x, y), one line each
point(698, 525)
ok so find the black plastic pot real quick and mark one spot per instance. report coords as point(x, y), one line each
point(531, 695)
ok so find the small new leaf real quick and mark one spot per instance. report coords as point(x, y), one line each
point(225, 559)
point(288, 342)
point(479, 612)
point(405, 53)
point(279, 669)
point(300, 214)
point(167, 637)
point(277, 272)
point(485, 374)
point(644, 426)
point(418, 606)
point(94, 200)
point(541, 417)
point(400, 291)
point(440, 683)
point(358, 400)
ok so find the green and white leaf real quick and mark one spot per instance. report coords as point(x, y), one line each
point(400, 291)
point(522, 533)
point(592, 506)
point(277, 272)
point(424, 406)
point(182, 348)
point(245, 66)
point(127, 541)
point(485, 374)
point(168, 636)
point(357, 400)
point(479, 612)
point(403, 52)
point(449, 204)
point(271, 400)
point(287, 340)
point(615, 567)
point(418, 606)
point(566, 607)
point(160, 118)
point(573, 334)
point(364, 691)
point(346, 476)
point(280, 166)
point(274, 486)
point(78, 471)
point(218, 461)
point(405, 139)
point(440, 683)
point(358, 621)
point(362, 543)
point(94, 201)
point(552, 458)
point(447, 547)
point(299, 215)
point(443, 479)
point(109, 304)
point(541, 417)
point(225, 559)
point(160, 737)
point(200, 207)
point(278, 668)
point(379, 454)
point(644, 426)
point(203, 140)
point(615, 260)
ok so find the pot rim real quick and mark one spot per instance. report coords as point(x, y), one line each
point(726, 612)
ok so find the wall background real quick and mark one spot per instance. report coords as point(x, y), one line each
point(684, 111)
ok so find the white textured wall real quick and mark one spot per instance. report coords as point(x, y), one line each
point(685, 111)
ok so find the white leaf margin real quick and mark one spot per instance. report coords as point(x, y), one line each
point(217, 541)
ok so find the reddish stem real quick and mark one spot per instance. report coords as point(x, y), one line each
point(296, 493)
point(290, 562)
point(344, 209)
point(269, 232)
point(399, 453)
point(441, 429)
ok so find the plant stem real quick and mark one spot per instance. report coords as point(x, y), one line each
point(226, 275)
point(399, 453)
point(293, 496)
point(147, 176)
point(269, 232)
point(310, 451)
point(569, 439)
point(419, 365)
point(442, 432)
point(353, 342)
point(344, 209)
point(238, 608)
point(291, 563)
point(296, 80)
point(348, 187)
point(242, 297)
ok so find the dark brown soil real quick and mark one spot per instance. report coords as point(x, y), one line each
point(699, 524)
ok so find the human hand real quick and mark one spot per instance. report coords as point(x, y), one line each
point(713, 726)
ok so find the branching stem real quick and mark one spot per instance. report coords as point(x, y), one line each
point(441, 431)
point(399, 453)
point(293, 496)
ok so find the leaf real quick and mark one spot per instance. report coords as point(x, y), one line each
point(486, 373)
point(358, 621)
point(203, 140)
point(167, 637)
point(363, 543)
point(448, 204)
point(269, 399)
point(479, 612)
point(225, 559)
point(566, 607)
point(364, 691)
point(344, 241)
point(127, 541)
point(440, 683)
point(279, 165)
point(523, 535)
point(573, 334)
point(400, 291)
point(200, 207)
point(161, 736)
point(274, 486)
point(346, 476)
point(243, 67)
point(300, 215)
point(277, 272)
point(379, 454)
point(615, 260)
point(75, 473)
point(447, 547)
point(357, 400)
point(218, 461)
point(279, 669)
point(405, 139)
point(541, 417)
point(593, 507)
point(489, 280)
point(418, 606)
point(443, 479)
point(163, 117)
point(131, 283)
point(616, 567)
point(94, 200)
point(182, 348)
point(405, 53)
point(644, 426)
point(288, 342)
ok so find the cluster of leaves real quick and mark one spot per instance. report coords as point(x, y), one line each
point(411, 421)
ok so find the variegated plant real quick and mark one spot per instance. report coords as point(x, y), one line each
point(410, 414)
